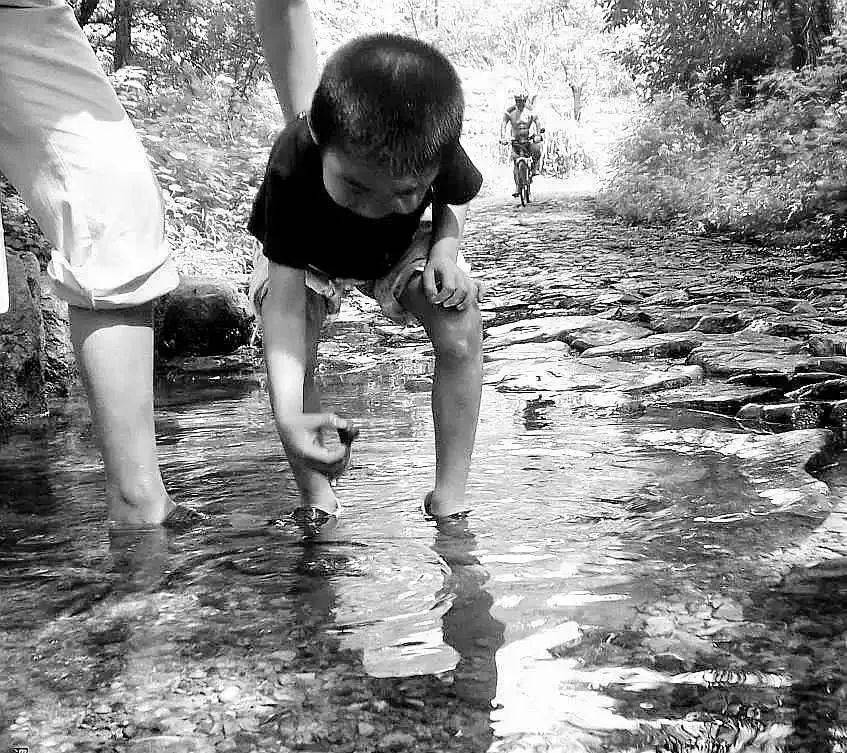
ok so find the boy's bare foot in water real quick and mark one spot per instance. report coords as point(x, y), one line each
point(435, 509)
point(320, 515)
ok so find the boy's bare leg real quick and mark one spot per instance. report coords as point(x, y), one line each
point(114, 351)
point(456, 391)
point(315, 489)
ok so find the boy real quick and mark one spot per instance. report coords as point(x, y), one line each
point(342, 200)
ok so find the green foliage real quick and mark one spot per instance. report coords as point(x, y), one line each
point(775, 169)
point(565, 151)
point(182, 40)
point(208, 152)
point(710, 49)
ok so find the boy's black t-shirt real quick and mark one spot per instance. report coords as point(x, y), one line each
point(299, 224)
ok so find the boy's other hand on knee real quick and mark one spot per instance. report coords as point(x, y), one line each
point(319, 440)
point(445, 284)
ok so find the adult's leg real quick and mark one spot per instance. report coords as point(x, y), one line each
point(515, 175)
point(535, 151)
point(69, 148)
point(114, 351)
point(457, 387)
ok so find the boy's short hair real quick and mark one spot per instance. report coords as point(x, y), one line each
point(389, 99)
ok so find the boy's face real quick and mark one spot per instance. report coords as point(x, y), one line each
point(370, 191)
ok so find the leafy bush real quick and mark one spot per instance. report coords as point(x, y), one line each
point(775, 169)
point(565, 151)
point(208, 151)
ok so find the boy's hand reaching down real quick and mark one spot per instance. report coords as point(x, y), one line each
point(447, 285)
point(319, 440)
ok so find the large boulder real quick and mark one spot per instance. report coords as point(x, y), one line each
point(204, 316)
point(21, 337)
point(57, 357)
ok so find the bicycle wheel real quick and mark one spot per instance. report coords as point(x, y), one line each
point(523, 182)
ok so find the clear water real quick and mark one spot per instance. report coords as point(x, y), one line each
point(606, 595)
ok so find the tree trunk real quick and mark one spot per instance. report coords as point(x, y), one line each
point(795, 22)
point(435, 14)
point(123, 32)
point(576, 90)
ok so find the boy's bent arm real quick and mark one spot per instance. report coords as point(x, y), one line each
point(448, 225)
point(284, 336)
point(444, 282)
point(287, 353)
point(288, 39)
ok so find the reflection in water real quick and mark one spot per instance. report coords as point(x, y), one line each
point(534, 413)
point(807, 609)
point(468, 625)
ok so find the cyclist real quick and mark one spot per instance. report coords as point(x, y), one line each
point(525, 127)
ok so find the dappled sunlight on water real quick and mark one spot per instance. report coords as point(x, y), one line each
point(606, 594)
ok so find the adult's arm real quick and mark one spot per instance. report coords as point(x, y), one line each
point(507, 120)
point(288, 38)
point(538, 126)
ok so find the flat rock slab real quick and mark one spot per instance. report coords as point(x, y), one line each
point(728, 355)
point(529, 352)
point(662, 345)
point(821, 269)
point(831, 389)
point(604, 332)
point(567, 328)
point(822, 284)
point(775, 464)
point(834, 364)
point(717, 397)
point(830, 344)
point(596, 374)
point(788, 325)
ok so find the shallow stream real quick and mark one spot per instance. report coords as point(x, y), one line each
point(608, 594)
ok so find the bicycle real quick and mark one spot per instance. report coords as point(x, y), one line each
point(522, 168)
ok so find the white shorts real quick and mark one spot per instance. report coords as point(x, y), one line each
point(68, 147)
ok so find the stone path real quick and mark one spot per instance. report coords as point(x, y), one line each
point(689, 322)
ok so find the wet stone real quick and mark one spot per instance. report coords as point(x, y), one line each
point(667, 298)
point(719, 323)
point(661, 345)
point(718, 397)
point(396, 741)
point(831, 389)
point(820, 268)
point(797, 327)
point(597, 334)
point(728, 355)
point(779, 413)
point(833, 364)
point(545, 329)
point(775, 464)
point(528, 351)
point(828, 345)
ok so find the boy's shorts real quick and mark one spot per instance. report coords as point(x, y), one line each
point(68, 147)
point(386, 291)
